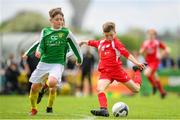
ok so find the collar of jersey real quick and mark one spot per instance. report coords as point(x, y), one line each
point(56, 29)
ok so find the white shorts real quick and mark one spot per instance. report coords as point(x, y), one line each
point(44, 70)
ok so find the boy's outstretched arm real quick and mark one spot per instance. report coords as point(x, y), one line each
point(72, 41)
point(132, 59)
point(93, 43)
point(32, 49)
point(165, 50)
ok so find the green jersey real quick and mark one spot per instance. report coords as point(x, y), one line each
point(54, 45)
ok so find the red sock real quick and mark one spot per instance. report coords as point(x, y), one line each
point(159, 86)
point(102, 100)
point(137, 77)
point(152, 81)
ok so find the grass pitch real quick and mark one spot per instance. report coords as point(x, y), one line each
point(69, 107)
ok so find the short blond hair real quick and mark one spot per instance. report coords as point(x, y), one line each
point(108, 27)
point(152, 31)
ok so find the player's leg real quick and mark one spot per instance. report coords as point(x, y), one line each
point(159, 86)
point(35, 87)
point(52, 93)
point(42, 92)
point(36, 80)
point(133, 84)
point(134, 87)
point(101, 86)
point(90, 83)
point(82, 82)
point(150, 75)
point(54, 80)
point(137, 74)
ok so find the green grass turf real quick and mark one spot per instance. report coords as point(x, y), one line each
point(69, 107)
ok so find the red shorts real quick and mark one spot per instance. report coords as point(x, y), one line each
point(114, 73)
point(154, 65)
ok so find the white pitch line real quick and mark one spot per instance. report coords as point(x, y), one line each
point(86, 117)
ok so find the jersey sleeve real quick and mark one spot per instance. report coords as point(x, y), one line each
point(35, 46)
point(94, 43)
point(32, 49)
point(120, 47)
point(72, 41)
point(162, 45)
point(41, 46)
point(69, 52)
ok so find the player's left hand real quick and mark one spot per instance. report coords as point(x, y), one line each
point(141, 66)
point(37, 54)
point(78, 64)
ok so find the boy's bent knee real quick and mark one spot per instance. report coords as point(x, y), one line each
point(136, 90)
point(35, 87)
point(99, 90)
point(52, 90)
point(52, 82)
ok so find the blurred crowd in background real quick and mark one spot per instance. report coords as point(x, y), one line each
point(15, 74)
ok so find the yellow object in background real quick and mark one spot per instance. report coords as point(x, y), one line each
point(22, 78)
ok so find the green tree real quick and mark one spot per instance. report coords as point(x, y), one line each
point(24, 21)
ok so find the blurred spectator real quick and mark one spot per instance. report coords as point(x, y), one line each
point(11, 76)
point(178, 62)
point(70, 75)
point(24, 73)
point(10, 59)
point(71, 64)
point(86, 69)
point(23, 64)
point(167, 62)
point(2, 79)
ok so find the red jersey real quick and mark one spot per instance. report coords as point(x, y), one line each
point(151, 48)
point(109, 52)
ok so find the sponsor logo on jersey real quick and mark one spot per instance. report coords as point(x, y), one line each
point(54, 37)
point(61, 35)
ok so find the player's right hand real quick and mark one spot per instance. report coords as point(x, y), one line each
point(142, 66)
point(37, 54)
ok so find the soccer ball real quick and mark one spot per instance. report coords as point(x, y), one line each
point(120, 109)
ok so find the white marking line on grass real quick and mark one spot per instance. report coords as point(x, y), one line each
point(86, 117)
point(39, 113)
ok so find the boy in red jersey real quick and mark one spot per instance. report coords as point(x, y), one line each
point(151, 48)
point(110, 67)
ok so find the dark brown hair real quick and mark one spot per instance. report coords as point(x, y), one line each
point(55, 11)
point(108, 27)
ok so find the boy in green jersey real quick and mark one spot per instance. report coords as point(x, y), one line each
point(52, 51)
